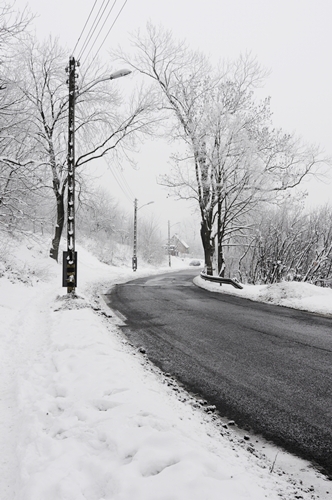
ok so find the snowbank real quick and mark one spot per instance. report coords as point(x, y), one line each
point(288, 294)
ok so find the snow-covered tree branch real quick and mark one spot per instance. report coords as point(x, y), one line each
point(236, 160)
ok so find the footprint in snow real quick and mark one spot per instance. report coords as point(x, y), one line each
point(104, 405)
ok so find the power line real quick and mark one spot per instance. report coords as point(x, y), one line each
point(86, 22)
point(87, 36)
point(122, 183)
point(99, 18)
point(93, 27)
point(107, 34)
point(126, 184)
point(99, 32)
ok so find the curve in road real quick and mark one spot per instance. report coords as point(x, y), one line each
point(267, 367)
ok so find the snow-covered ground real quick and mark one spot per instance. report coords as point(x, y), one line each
point(288, 294)
point(83, 415)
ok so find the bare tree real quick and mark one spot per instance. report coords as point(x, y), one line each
point(99, 214)
point(150, 242)
point(289, 243)
point(318, 269)
point(104, 125)
point(233, 157)
point(12, 25)
point(19, 176)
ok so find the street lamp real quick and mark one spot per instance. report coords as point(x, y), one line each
point(69, 272)
point(134, 260)
point(113, 76)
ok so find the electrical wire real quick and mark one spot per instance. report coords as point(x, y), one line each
point(107, 34)
point(102, 26)
point(117, 174)
point(93, 27)
point(122, 188)
point(99, 21)
point(85, 25)
point(127, 185)
point(122, 183)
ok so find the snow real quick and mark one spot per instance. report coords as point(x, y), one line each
point(293, 294)
point(83, 415)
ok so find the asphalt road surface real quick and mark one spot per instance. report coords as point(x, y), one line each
point(267, 367)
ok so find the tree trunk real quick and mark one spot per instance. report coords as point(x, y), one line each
point(220, 237)
point(60, 218)
point(221, 260)
point(207, 246)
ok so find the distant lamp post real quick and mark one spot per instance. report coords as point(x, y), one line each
point(69, 266)
point(134, 260)
point(169, 242)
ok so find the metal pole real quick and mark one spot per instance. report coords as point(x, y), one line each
point(169, 243)
point(71, 255)
point(135, 236)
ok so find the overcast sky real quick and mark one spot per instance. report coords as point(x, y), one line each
point(291, 38)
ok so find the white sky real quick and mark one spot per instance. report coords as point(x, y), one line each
point(291, 38)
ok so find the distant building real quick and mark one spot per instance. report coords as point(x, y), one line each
point(178, 246)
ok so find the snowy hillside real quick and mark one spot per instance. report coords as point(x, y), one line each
point(83, 415)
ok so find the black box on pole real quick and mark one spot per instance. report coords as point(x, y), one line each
point(69, 273)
